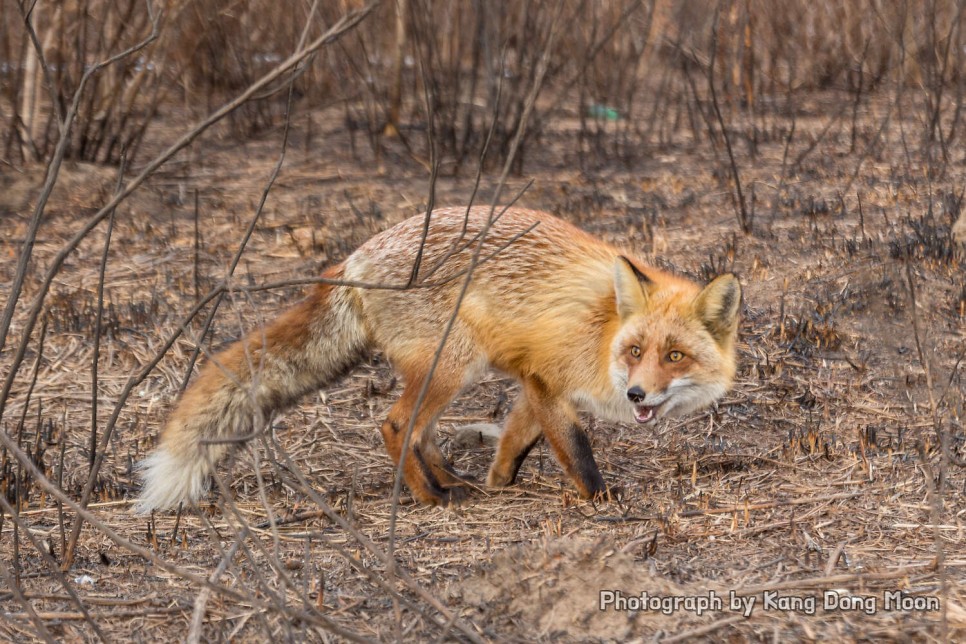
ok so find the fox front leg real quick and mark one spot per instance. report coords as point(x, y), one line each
point(570, 444)
point(521, 434)
point(572, 449)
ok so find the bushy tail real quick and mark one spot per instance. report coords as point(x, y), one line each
point(304, 349)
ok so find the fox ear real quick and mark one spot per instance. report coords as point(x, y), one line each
point(630, 285)
point(718, 304)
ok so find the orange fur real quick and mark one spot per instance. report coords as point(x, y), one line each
point(579, 325)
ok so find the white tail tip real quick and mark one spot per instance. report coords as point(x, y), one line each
point(168, 480)
point(477, 434)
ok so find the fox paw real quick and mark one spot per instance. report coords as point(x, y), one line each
point(612, 493)
point(497, 478)
point(434, 494)
point(433, 481)
point(454, 497)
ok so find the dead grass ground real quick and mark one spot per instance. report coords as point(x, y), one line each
point(819, 472)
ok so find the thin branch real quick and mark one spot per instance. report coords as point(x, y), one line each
point(98, 317)
point(345, 24)
point(741, 209)
point(474, 260)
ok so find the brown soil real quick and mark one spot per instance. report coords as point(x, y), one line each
point(821, 471)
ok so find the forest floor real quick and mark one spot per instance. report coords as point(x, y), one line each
point(817, 488)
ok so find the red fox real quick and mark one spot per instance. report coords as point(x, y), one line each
point(579, 324)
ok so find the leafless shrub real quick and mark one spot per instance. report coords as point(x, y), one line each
point(472, 65)
point(53, 55)
point(621, 66)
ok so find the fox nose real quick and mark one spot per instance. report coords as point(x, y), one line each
point(636, 394)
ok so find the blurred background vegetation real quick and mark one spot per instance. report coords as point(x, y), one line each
point(641, 74)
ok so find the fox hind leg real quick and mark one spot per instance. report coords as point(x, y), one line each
point(427, 474)
point(441, 467)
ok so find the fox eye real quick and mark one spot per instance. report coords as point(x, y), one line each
point(635, 351)
point(675, 356)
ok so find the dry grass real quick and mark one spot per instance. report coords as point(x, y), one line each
point(817, 473)
point(836, 464)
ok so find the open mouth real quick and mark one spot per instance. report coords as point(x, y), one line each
point(644, 413)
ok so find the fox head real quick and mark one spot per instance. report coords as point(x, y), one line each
point(674, 350)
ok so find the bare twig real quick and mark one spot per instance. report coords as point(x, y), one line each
point(201, 601)
point(384, 557)
point(342, 26)
point(98, 317)
point(14, 587)
point(741, 209)
point(347, 23)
